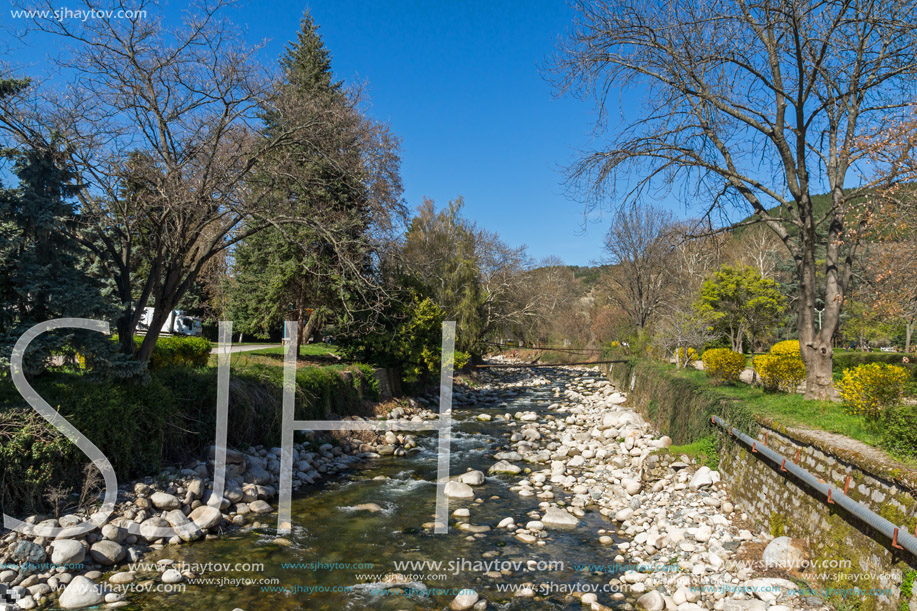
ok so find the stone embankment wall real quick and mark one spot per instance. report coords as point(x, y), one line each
point(775, 501)
point(833, 537)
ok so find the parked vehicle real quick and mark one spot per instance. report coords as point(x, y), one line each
point(178, 322)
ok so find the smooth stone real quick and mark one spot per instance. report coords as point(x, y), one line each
point(785, 553)
point(472, 478)
point(702, 477)
point(558, 518)
point(206, 517)
point(504, 467)
point(67, 551)
point(459, 490)
point(465, 600)
point(260, 507)
point(121, 578)
point(161, 500)
point(81, 592)
point(172, 576)
point(107, 552)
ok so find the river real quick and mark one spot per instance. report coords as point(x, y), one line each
point(335, 551)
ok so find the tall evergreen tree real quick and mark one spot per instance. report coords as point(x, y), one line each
point(42, 269)
point(295, 270)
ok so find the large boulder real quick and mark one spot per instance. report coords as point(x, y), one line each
point(555, 517)
point(459, 490)
point(81, 592)
point(785, 553)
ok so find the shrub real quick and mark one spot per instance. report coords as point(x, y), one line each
point(681, 354)
point(178, 352)
point(723, 365)
point(171, 417)
point(127, 421)
point(899, 430)
point(789, 347)
point(783, 368)
point(869, 389)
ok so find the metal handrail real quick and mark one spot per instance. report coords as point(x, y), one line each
point(899, 536)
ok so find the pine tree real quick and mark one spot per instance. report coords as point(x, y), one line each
point(293, 271)
point(41, 267)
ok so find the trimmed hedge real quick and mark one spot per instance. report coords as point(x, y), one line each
point(170, 418)
point(847, 360)
point(176, 351)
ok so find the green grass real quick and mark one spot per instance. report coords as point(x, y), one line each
point(705, 450)
point(305, 350)
point(792, 410)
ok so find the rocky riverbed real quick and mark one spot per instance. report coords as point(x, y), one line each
point(588, 474)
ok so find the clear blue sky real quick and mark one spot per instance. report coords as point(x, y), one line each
point(459, 83)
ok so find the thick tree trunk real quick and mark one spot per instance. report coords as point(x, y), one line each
point(819, 372)
point(314, 320)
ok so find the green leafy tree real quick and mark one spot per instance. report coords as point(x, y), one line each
point(412, 340)
point(741, 303)
point(471, 273)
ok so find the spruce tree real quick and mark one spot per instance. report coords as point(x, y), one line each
point(42, 268)
point(293, 272)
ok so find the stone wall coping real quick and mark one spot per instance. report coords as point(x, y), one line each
point(868, 459)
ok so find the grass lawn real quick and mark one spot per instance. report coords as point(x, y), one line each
point(311, 355)
point(305, 350)
point(792, 410)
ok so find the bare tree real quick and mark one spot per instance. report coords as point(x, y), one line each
point(760, 248)
point(756, 104)
point(165, 129)
point(641, 245)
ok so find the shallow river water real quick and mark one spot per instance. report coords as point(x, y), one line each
point(328, 530)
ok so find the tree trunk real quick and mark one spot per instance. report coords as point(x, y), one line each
point(125, 334)
point(817, 354)
point(909, 331)
point(312, 324)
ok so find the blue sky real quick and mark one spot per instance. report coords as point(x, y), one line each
point(459, 83)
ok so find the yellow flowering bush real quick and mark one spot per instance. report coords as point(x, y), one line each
point(723, 365)
point(783, 368)
point(789, 347)
point(869, 389)
point(691, 355)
